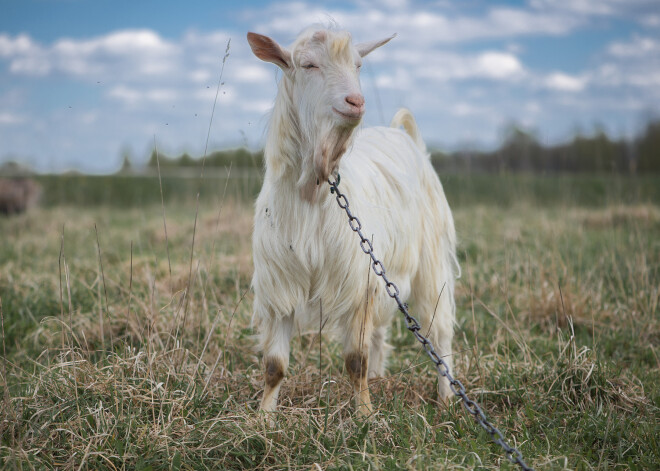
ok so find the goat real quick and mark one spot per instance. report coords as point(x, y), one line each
point(307, 261)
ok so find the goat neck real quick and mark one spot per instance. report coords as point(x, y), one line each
point(303, 157)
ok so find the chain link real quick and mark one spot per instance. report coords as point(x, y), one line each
point(413, 325)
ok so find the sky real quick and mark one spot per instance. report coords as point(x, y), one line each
point(83, 83)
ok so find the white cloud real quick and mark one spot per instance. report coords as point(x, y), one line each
point(200, 75)
point(161, 95)
point(226, 95)
point(253, 73)
point(89, 117)
point(492, 65)
point(639, 46)
point(399, 79)
point(466, 109)
point(131, 96)
point(388, 4)
point(425, 27)
point(533, 107)
point(564, 82)
point(510, 22)
point(257, 106)
point(125, 94)
point(650, 21)
point(460, 69)
point(634, 8)
point(11, 118)
point(139, 67)
point(498, 65)
point(33, 64)
point(590, 7)
point(632, 63)
point(19, 45)
point(136, 53)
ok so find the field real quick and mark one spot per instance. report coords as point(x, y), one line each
point(127, 344)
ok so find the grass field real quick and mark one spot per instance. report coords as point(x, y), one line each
point(128, 346)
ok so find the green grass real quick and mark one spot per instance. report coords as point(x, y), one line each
point(557, 337)
point(136, 191)
point(244, 184)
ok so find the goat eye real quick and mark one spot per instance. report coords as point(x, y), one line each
point(309, 66)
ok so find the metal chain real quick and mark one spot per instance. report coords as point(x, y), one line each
point(413, 325)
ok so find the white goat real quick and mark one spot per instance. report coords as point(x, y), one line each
point(307, 260)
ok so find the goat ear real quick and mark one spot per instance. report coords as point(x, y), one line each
point(268, 50)
point(366, 48)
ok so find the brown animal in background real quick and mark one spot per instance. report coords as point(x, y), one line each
point(18, 195)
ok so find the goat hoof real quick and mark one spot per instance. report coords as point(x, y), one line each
point(267, 419)
point(365, 412)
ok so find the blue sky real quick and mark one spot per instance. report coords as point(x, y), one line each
point(81, 82)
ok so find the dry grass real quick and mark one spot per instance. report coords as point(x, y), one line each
point(557, 339)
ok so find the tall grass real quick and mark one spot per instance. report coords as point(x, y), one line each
point(557, 337)
point(243, 185)
point(123, 191)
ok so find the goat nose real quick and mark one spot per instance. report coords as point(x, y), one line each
point(355, 99)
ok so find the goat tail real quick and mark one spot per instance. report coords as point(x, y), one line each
point(404, 118)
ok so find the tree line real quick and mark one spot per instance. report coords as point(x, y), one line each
point(520, 151)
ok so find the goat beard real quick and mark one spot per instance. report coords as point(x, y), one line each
point(328, 151)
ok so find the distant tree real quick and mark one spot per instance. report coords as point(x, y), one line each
point(160, 159)
point(648, 149)
point(520, 150)
point(126, 160)
point(236, 158)
point(185, 161)
point(126, 166)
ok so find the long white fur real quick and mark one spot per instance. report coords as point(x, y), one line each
point(307, 261)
